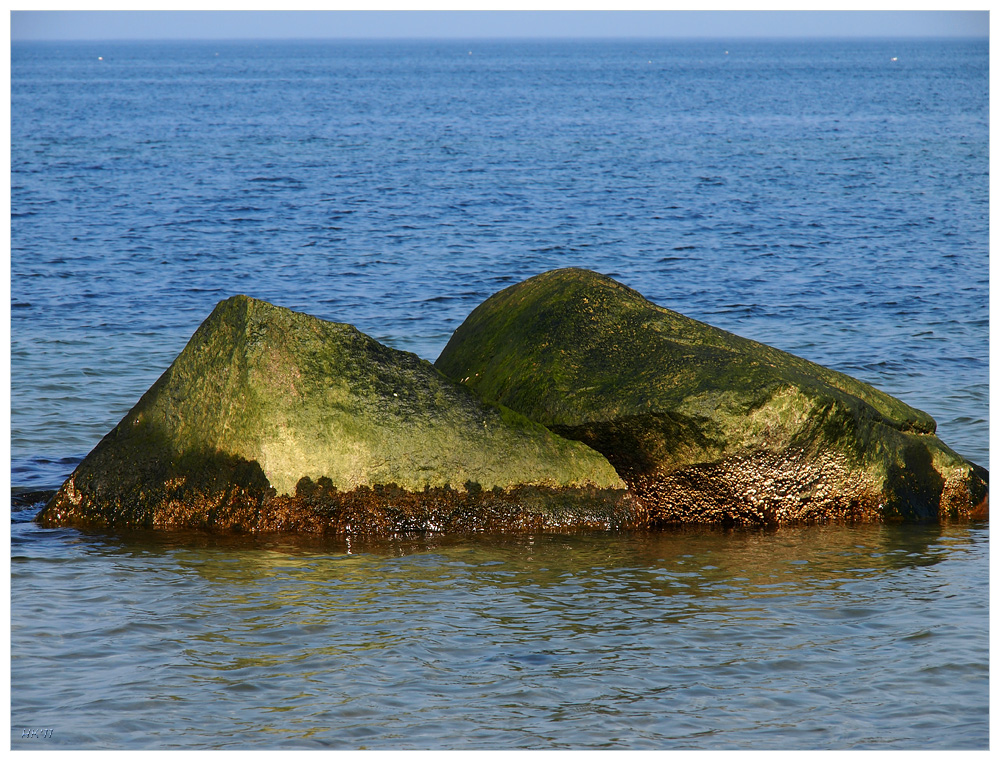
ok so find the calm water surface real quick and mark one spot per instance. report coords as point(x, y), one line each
point(825, 637)
point(820, 197)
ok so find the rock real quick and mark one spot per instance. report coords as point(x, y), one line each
point(271, 420)
point(705, 426)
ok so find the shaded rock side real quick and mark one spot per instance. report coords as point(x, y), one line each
point(273, 420)
point(703, 425)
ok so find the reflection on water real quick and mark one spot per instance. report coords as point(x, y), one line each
point(819, 637)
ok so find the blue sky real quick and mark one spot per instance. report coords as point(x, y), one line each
point(109, 25)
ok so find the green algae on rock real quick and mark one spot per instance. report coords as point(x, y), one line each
point(705, 426)
point(272, 420)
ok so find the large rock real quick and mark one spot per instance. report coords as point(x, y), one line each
point(703, 425)
point(274, 420)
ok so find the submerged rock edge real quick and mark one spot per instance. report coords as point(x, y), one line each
point(320, 508)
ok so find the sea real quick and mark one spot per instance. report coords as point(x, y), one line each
point(830, 198)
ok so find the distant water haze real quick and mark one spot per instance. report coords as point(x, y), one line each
point(211, 25)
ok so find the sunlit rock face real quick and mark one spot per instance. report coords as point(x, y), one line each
point(705, 426)
point(272, 420)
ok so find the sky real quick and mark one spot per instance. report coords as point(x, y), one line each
point(122, 25)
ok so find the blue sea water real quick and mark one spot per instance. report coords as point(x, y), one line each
point(828, 198)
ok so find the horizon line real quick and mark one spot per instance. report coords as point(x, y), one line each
point(521, 38)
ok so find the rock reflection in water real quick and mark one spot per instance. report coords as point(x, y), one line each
point(832, 636)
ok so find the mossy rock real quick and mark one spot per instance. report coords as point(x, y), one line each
point(273, 420)
point(703, 425)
